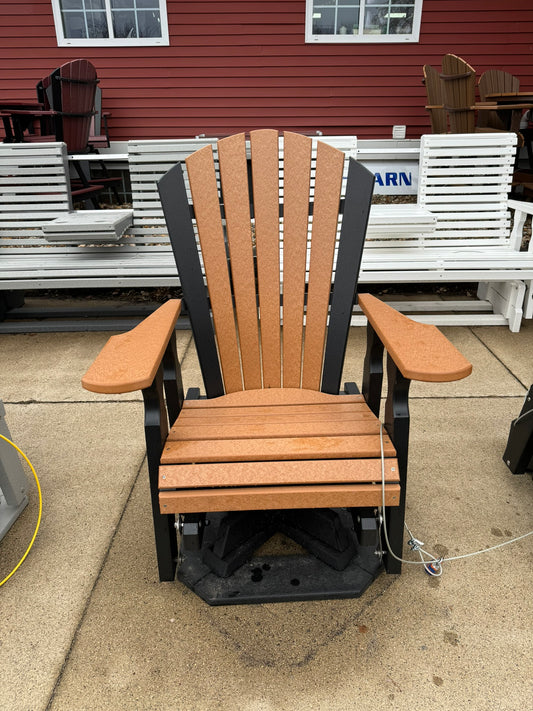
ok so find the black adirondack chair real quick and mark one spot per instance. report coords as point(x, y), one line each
point(273, 447)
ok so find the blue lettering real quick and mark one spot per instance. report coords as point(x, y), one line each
point(406, 179)
point(391, 179)
point(379, 179)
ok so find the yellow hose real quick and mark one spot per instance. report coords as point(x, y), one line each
point(21, 561)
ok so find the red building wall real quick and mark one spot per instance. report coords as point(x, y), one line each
point(242, 65)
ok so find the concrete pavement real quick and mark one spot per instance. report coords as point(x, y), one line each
point(85, 624)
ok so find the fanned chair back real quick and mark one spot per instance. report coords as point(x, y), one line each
point(281, 283)
point(491, 82)
point(73, 91)
point(459, 90)
point(437, 112)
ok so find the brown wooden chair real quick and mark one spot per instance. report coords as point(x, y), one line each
point(491, 82)
point(437, 112)
point(273, 447)
point(459, 94)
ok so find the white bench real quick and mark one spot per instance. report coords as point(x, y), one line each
point(458, 232)
point(464, 181)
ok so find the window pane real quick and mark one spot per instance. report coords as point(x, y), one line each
point(121, 4)
point(97, 24)
point(376, 20)
point(401, 21)
point(95, 4)
point(149, 23)
point(74, 24)
point(347, 20)
point(324, 21)
point(124, 24)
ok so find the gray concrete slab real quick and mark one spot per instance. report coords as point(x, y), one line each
point(514, 350)
point(460, 641)
point(86, 457)
point(85, 624)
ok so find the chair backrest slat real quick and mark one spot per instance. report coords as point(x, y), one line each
point(328, 183)
point(296, 184)
point(204, 190)
point(234, 181)
point(265, 177)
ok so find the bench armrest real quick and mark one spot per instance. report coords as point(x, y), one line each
point(521, 210)
point(420, 351)
point(130, 361)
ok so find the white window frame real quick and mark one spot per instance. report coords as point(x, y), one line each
point(361, 38)
point(63, 41)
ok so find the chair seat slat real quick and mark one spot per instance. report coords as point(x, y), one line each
point(288, 497)
point(323, 471)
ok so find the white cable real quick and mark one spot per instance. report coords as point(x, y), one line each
point(433, 565)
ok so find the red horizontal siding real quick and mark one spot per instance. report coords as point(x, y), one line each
point(239, 65)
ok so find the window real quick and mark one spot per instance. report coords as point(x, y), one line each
point(363, 20)
point(96, 23)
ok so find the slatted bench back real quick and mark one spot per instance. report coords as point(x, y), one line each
point(148, 161)
point(34, 188)
point(465, 180)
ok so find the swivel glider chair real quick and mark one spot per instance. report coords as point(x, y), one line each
point(273, 447)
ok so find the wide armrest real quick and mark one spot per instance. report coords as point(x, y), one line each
point(420, 351)
point(130, 361)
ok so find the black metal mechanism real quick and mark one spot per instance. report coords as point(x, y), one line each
point(218, 551)
point(518, 453)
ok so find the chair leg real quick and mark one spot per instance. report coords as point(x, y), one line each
point(172, 381)
point(518, 453)
point(156, 431)
point(373, 370)
point(397, 426)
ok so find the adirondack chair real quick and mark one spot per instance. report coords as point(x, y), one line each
point(273, 447)
point(437, 112)
point(459, 94)
point(495, 81)
point(50, 91)
point(68, 97)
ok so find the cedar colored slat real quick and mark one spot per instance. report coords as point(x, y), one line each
point(130, 360)
point(201, 171)
point(329, 167)
point(289, 497)
point(420, 350)
point(272, 396)
point(239, 450)
point(286, 413)
point(234, 179)
point(325, 471)
point(296, 182)
point(265, 177)
point(267, 428)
